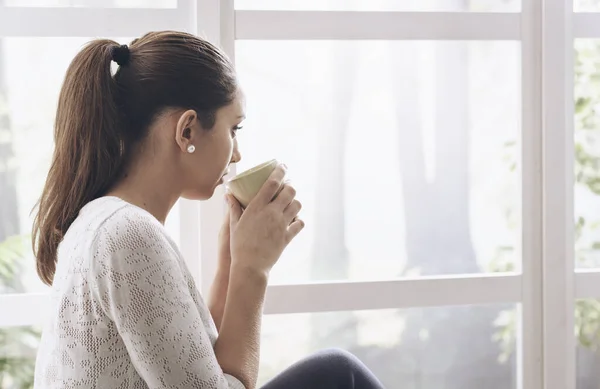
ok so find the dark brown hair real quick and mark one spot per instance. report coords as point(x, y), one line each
point(100, 116)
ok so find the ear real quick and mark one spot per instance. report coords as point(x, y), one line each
point(186, 128)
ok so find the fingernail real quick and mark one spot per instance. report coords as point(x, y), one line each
point(284, 166)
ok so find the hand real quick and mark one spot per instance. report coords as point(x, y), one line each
point(265, 228)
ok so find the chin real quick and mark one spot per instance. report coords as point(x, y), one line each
point(200, 194)
point(197, 195)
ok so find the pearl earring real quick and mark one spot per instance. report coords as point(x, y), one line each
point(191, 149)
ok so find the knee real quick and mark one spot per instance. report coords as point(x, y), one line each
point(340, 358)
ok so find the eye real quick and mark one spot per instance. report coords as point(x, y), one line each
point(234, 130)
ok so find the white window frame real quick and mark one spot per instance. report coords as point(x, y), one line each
point(547, 283)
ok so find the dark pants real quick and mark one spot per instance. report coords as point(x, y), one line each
point(328, 369)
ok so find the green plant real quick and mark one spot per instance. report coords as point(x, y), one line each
point(12, 251)
point(18, 345)
point(17, 357)
point(587, 180)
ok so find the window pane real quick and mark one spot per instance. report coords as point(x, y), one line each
point(587, 153)
point(586, 5)
point(18, 347)
point(587, 330)
point(404, 154)
point(469, 347)
point(383, 5)
point(93, 3)
point(28, 96)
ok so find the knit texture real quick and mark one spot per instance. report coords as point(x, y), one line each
point(125, 311)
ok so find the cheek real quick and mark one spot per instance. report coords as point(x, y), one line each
point(221, 156)
point(230, 147)
point(232, 150)
point(213, 159)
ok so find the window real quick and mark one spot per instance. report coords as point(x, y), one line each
point(390, 142)
point(403, 347)
point(446, 153)
point(93, 3)
point(379, 5)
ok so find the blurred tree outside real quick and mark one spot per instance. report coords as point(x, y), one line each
point(587, 240)
point(449, 347)
point(453, 188)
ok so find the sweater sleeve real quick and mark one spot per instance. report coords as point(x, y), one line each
point(138, 282)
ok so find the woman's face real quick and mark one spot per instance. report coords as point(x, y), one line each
point(215, 150)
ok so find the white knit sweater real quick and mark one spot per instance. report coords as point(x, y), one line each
point(125, 312)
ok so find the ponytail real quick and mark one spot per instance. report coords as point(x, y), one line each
point(100, 117)
point(88, 150)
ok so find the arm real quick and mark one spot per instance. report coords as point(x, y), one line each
point(238, 345)
point(143, 291)
point(218, 290)
point(257, 240)
point(218, 294)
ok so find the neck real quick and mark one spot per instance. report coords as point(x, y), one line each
point(148, 186)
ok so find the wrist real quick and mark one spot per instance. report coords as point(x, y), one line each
point(248, 274)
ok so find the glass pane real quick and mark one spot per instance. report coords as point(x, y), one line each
point(92, 3)
point(468, 347)
point(586, 5)
point(587, 330)
point(404, 154)
point(587, 153)
point(383, 5)
point(28, 96)
point(18, 347)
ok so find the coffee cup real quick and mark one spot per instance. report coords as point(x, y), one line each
point(246, 185)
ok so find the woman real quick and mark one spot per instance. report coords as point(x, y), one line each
point(125, 311)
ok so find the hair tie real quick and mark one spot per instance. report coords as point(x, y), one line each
point(120, 54)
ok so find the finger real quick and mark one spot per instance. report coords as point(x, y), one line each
point(235, 209)
point(294, 229)
point(283, 184)
point(285, 197)
point(292, 210)
point(270, 187)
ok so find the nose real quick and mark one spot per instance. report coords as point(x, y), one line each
point(236, 156)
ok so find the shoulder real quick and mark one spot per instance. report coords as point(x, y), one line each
point(130, 227)
point(134, 264)
point(128, 236)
